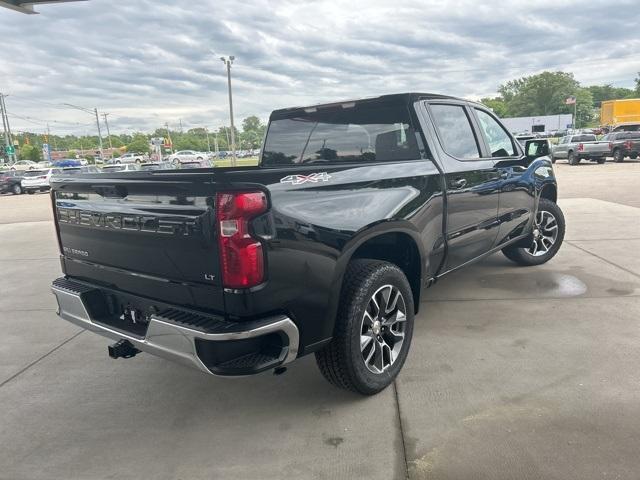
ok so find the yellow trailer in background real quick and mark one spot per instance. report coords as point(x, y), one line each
point(614, 113)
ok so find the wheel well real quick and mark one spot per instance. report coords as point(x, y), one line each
point(549, 192)
point(400, 249)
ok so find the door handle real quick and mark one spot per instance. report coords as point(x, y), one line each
point(458, 183)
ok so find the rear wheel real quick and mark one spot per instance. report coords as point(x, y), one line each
point(31, 192)
point(602, 160)
point(373, 328)
point(17, 189)
point(618, 156)
point(572, 159)
point(633, 156)
point(546, 238)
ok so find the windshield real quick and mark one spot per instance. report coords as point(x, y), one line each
point(34, 173)
point(360, 132)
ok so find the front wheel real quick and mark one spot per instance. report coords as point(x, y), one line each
point(601, 160)
point(17, 189)
point(373, 328)
point(546, 238)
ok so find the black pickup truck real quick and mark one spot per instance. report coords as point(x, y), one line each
point(325, 247)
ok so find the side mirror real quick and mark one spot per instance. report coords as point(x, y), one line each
point(536, 148)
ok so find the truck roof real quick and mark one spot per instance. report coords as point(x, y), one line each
point(403, 98)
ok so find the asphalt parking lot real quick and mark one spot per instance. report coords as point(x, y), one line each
point(514, 372)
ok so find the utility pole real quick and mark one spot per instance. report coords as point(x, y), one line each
point(208, 143)
point(91, 112)
point(181, 131)
point(99, 133)
point(7, 129)
point(215, 140)
point(106, 122)
point(228, 62)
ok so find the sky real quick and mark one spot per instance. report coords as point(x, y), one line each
point(151, 62)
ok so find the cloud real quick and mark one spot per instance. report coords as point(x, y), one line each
point(150, 62)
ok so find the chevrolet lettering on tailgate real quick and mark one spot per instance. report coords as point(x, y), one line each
point(139, 223)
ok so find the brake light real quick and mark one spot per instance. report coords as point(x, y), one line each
point(627, 144)
point(241, 255)
point(610, 145)
point(42, 177)
point(580, 147)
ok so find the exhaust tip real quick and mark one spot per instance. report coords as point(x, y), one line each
point(122, 349)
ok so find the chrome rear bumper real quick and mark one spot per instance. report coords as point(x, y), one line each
point(169, 340)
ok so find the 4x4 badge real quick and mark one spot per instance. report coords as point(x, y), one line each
point(300, 179)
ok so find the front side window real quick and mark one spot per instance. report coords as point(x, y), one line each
point(499, 141)
point(455, 130)
point(349, 133)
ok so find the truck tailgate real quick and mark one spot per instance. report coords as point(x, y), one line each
point(150, 234)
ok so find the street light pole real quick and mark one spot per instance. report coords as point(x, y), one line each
point(228, 62)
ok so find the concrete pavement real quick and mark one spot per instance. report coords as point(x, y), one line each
point(513, 373)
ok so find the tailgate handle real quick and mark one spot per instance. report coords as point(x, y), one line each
point(111, 191)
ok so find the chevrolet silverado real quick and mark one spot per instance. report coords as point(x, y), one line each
point(326, 247)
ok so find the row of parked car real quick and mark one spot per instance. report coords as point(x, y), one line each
point(586, 146)
point(39, 180)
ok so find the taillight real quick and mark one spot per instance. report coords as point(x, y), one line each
point(580, 147)
point(241, 255)
point(610, 145)
point(627, 144)
point(43, 177)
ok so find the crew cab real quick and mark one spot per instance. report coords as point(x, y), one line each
point(325, 247)
point(583, 146)
point(623, 144)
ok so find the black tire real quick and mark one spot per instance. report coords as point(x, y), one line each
point(118, 162)
point(572, 159)
point(523, 255)
point(553, 159)
point(17, 189)
point(342, 362)
point(633, 156)
point(601, 160)
point(31, 192)
point(618, 156)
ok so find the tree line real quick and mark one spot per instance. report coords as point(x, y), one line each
point(250, 137)
point(546, 92)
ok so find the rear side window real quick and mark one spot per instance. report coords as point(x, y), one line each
point(354, 133)
point(455, 131)
point(495, 135)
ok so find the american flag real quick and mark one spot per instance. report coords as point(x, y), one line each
point(570, 100)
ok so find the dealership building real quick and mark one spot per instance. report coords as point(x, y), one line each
point(544, 123)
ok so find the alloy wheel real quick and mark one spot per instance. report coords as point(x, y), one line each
point(382, 329)
point(545, 233)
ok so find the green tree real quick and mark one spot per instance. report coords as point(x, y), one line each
point(30, 152)
point(601, 93)
point(252, 132)
point(638, 85)
point(138, 144)
point(497, 104)
point(542, 94)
